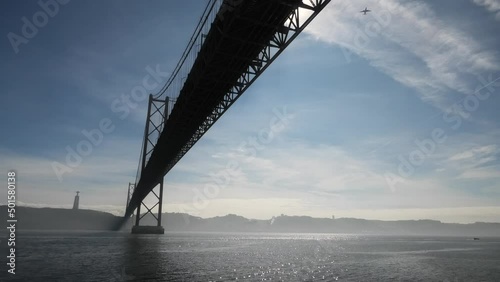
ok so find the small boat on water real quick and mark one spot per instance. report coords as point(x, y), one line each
point(476, 239)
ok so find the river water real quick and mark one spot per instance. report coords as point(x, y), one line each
point(112, 256)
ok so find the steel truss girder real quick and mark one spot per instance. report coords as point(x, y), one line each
point(267, 56)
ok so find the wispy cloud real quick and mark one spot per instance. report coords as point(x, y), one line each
point(470, 156)
point(325, 178)
point(483, 173)
point(407, 41)
point(477, 156)
point(491, 5)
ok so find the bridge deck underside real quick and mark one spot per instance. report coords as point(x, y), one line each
point(233, 43)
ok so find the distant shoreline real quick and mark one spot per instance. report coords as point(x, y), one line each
point(52, 219)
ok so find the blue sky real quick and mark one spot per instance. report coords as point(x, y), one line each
point(360, 93)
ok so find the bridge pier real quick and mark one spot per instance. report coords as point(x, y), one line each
point(148, 230)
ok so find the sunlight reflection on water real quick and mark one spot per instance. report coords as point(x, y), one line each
point(252, 257)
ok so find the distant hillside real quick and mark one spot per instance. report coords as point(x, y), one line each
point(65, 219)
point(61, 219)
point(306, 224)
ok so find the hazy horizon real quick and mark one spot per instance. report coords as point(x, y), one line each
point(118, 213)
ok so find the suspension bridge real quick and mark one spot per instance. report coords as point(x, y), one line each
point(234, 42)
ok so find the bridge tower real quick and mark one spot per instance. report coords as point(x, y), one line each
point(156, 117)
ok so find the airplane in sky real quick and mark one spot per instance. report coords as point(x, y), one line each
point(365, 11)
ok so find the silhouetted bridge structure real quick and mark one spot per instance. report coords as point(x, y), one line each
point(234, 43)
